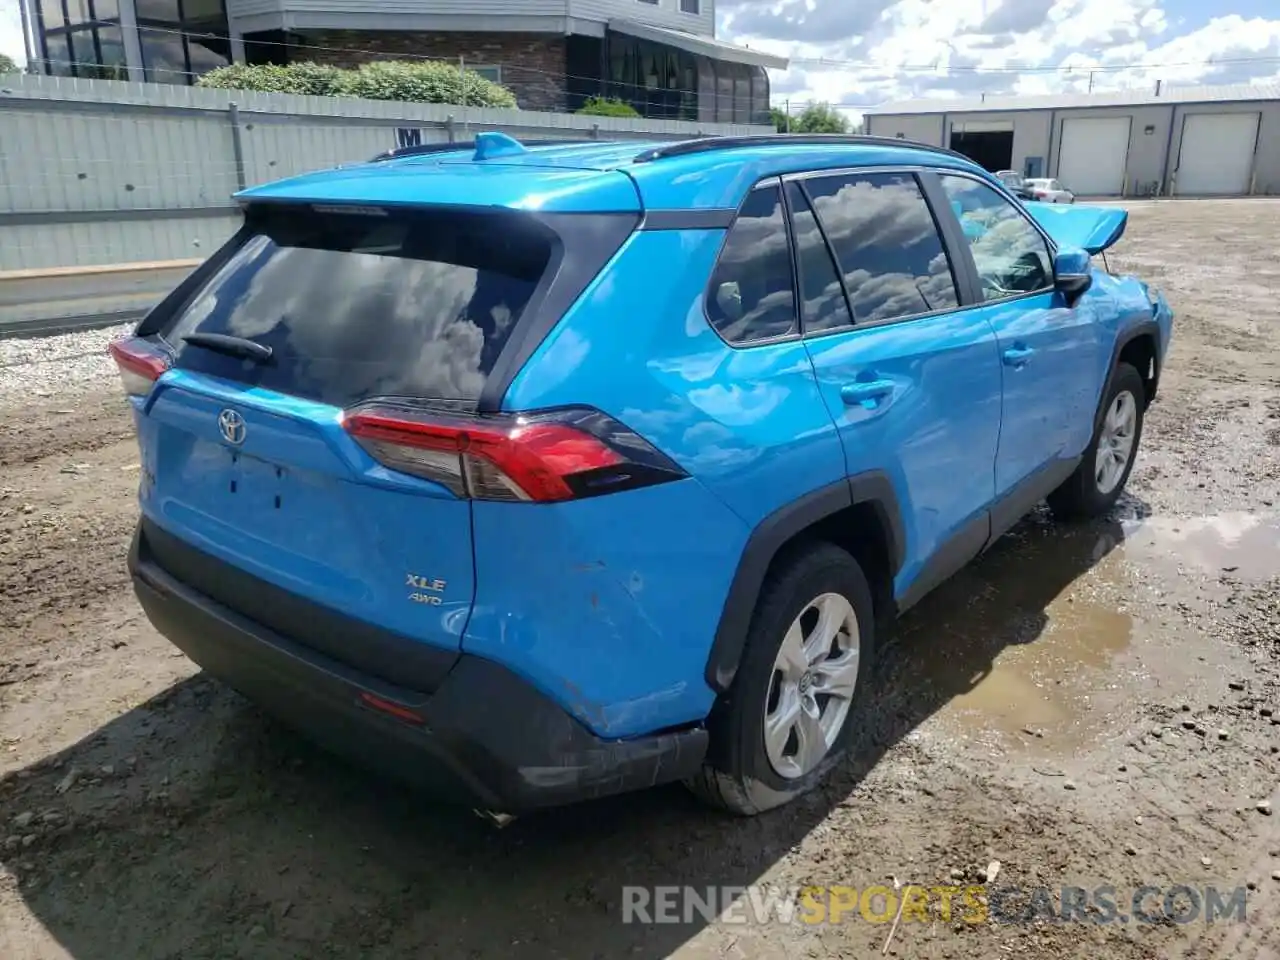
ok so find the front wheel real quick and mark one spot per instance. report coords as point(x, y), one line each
point(786, 722)
point(1103, 472)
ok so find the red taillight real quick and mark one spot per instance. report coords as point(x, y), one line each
point(140, 364)
point(544, 457)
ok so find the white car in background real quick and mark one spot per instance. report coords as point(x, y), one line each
point(1047, 190)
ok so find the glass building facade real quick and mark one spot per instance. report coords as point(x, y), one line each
point(176, 40)
point(664, 82)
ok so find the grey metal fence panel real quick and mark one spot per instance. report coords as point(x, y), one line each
point(99, 172)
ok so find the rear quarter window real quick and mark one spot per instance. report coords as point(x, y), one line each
point(355, 305)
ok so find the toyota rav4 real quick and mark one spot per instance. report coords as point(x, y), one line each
point(536, 473)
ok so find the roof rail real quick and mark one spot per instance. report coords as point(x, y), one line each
point(683, 148)
point(425, 149)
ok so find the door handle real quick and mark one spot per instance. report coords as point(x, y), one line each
point(862, 391)
point(1017, 356)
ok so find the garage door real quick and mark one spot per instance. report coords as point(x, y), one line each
point(1216, 156)
point(1091, 161)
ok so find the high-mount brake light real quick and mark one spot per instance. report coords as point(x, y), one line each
point(544, 457)
point(140, 364)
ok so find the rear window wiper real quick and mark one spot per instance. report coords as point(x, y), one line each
point(231, 346)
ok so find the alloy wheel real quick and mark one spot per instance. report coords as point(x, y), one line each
point(1115, 444)
point(812, 686)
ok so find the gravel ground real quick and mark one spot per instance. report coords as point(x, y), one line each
point(1081, 707)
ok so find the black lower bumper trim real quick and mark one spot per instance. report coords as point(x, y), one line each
point(486, 738)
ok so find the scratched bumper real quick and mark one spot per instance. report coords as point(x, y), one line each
point(483, 737)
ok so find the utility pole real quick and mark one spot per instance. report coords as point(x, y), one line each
point(1091, 81)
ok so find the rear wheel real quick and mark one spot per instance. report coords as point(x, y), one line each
point(1103, 472)
point(786, 721)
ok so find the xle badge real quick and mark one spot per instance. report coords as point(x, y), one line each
point(425, 590)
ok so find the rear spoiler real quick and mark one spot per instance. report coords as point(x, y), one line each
point(1090, 228)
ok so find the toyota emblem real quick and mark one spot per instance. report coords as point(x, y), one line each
point(231, 425)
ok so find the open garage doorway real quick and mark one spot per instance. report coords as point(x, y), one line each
point(990, 145)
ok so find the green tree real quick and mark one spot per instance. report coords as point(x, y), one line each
point(820, 118)
point(7, 65)
point(600, 107)
point(780, 120)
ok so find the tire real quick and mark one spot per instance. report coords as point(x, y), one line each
point(740, 775)
point(1088, 493)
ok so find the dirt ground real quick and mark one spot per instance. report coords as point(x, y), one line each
point(1087, 707)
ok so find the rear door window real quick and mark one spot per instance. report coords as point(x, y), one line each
point(821, 292)
point(373, 303)
point(887, 244)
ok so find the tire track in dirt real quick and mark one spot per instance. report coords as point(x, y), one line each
point(69, 425)
point(64, 535)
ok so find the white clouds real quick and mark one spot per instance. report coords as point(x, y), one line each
point(881, 50)
point(11, 32)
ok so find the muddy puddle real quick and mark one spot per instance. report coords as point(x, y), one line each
point(1245, 546)
point(1040, 644)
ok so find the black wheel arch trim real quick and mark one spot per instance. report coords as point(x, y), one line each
point(1130, 334)
point(771, 535)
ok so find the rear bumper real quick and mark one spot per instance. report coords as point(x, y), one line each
point(484, 737)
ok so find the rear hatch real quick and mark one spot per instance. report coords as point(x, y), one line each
point(256, 492)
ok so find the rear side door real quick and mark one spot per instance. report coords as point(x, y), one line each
point(912, 380)
point(1049, 352)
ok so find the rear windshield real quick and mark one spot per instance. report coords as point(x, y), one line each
point(374, 303)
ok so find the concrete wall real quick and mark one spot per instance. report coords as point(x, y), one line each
point(98, 172)
point(1153, 157)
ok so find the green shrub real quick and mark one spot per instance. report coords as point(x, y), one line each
point(6, 64)
point(425, 82)
point(262, 78)
point(418, 82)
point(600, 107)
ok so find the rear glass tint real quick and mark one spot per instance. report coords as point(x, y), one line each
point(358, 305)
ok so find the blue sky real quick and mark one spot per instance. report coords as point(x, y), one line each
point(868, 52)
point(859, 53)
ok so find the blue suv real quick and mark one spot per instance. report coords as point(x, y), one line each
point(537, 473)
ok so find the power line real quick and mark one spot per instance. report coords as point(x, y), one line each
point(1047, 68)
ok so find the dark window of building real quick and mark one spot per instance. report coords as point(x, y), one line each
point(724, 91)
point(57, 52)
point(821, 294)
point(656, 79)
point(885, 239)
point(52, 15)
point(752, 291)
point(689, 6)
point(582, 63)
point(82, 39)
point(759, 95)
point(182, 39)
point(166, 11)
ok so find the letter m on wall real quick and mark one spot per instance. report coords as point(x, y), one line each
point(408, 137)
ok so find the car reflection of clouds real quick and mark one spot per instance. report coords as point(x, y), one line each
point(866, 220)
point(423, 311)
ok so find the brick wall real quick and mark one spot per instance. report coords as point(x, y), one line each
point(533, 65)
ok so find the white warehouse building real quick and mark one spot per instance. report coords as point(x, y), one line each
point(1179, 141)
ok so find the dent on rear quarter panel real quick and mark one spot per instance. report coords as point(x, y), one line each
point(611, 605)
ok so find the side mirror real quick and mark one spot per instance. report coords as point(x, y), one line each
point(1072, 273)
